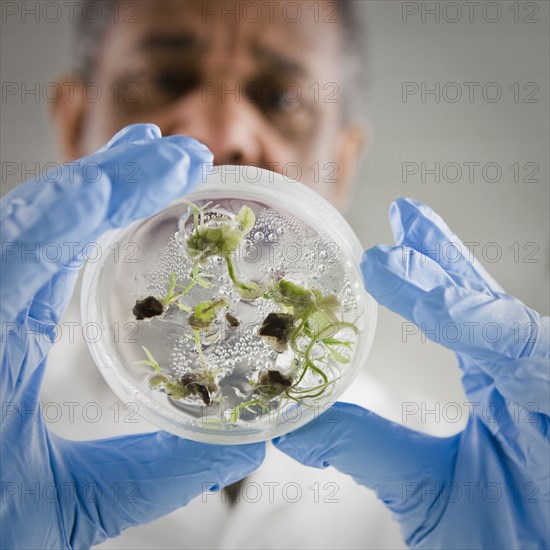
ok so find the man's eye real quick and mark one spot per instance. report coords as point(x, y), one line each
point(273, 98)
point(173, 83)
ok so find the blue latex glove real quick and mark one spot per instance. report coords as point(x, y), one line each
point(64, 494)
point(487, 487)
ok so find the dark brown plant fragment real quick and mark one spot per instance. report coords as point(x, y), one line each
point(147, 308)
point(277, 329)
point(232, 321)
point(196, 386)
point(273, 382)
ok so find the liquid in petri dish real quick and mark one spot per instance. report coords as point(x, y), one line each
point(243, 312)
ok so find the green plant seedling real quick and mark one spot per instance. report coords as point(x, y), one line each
point(152, 307)
point(205, 313)
point(201, 383)
point(220, 237)
point(196, 278)
point(150, 361)
point(249, 290)
point(291, 295)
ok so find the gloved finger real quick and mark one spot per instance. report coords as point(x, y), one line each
point(476, 324)
point(60, 218)
point(398, 277)
point(417, 226)
point(417, 288)
point(472, 323)
point(158, 171)
point(52, 299)
point(136, 479)
point(132, 133)
point(497, 333)
point(389, 458)
point(514, 408)
point(526, 382)
point(69, 213)
point(89, 165)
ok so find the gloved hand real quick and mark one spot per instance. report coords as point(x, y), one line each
point(487, 487)
point(64, 494)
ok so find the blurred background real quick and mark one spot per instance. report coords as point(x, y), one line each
point(510, 211)
point(503, 208)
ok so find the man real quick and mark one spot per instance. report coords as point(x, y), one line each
point(177, 64)
point(266, 84)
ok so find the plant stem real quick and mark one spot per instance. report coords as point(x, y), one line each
point(326, 332)
point(297, 333)
point(198, 345)
point(231, 270)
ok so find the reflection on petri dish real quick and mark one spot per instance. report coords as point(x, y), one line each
point(237, 314)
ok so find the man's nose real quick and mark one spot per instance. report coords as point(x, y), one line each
point(225, 122)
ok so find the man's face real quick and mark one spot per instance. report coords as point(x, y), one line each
point(260, 86)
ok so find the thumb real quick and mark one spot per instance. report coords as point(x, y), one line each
point(127, 481)
point(399, 464)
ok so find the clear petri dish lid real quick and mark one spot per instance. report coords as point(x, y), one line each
point(235, 315)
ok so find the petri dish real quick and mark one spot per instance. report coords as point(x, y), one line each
point(235, 315)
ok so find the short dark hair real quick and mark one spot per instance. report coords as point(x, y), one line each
point(90, 32)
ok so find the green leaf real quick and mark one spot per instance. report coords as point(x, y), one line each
point(205, 313)
point(302, 300)
point(318, 322)
point(195, 215)
point(204, 284)
point(150, 362)
point(158, 379)
point(337, 356)
point(176, 391)
point(249, 290)
point(293, 292)
point(246, 219)
point(336, 342)
point(331, 330)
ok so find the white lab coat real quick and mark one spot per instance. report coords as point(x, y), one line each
point(282, 505)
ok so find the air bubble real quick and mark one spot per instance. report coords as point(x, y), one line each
point(259, 236)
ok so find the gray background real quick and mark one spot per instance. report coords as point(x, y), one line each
point(505, 132)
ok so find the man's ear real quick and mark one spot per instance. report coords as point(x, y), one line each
point(351, 145)
point(66, 116)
